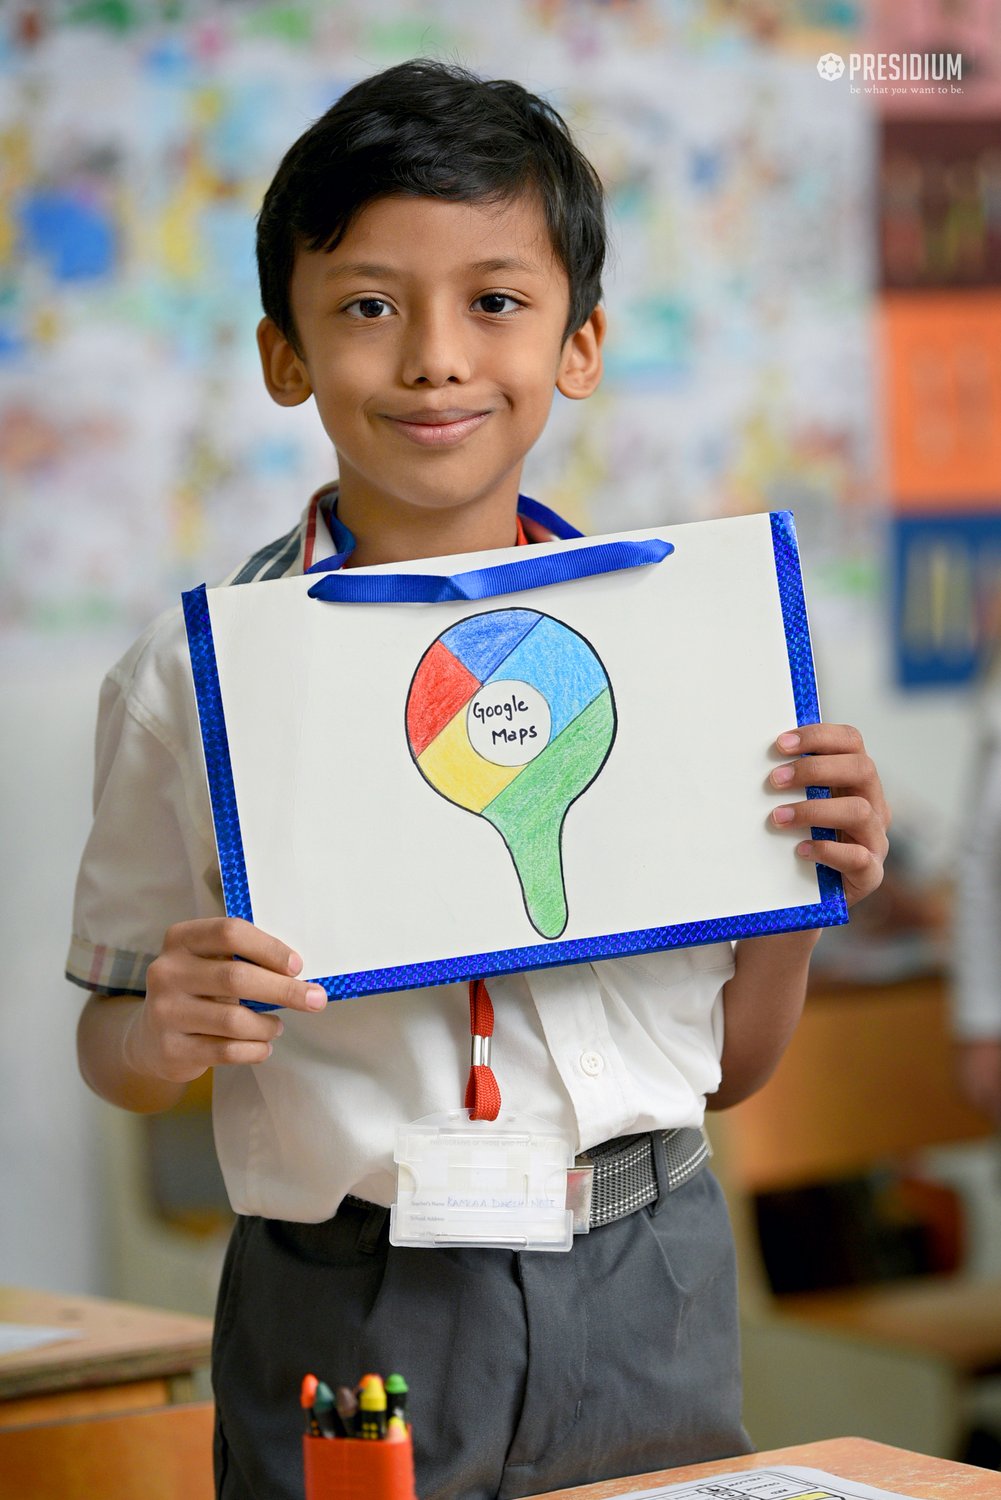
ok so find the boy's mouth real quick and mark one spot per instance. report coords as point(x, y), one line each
point(438, 429)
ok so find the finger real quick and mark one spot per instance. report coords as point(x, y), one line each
point(221, 937)
point(211, 1052)
point(821, 739)
point(233, 979)
point(202, 1033)
point(850, 815)
point(260, 973)
point(851, 860)
point(207, 1018)
point(846, 769)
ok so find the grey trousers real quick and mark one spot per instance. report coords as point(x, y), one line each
point(527, 1371)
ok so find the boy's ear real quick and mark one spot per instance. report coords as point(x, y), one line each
point(285, 375)
point(580, 361)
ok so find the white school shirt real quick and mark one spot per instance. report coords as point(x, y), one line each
point(600, 1050)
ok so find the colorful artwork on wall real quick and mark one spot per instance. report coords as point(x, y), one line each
point(135, 147)
point(941, 203)
point(940, 326)
point(942, 353)
point(946, 596)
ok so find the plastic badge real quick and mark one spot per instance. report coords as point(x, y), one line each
point(500, 1183)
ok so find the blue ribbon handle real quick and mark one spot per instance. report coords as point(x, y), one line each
point(531, 572)
point(534, 510)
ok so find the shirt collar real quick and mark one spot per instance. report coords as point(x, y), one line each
point(325, 534)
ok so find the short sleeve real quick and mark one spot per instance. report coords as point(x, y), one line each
point(150, 858)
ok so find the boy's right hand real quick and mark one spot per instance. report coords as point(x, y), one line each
point(192, 1019)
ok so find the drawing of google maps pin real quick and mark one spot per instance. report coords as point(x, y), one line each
point(511, 716)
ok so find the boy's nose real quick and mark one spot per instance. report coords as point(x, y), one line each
point(435, 351)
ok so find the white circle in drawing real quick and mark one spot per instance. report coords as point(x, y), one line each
point(508, 723)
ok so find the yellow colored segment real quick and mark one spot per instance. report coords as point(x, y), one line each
point(453, 768)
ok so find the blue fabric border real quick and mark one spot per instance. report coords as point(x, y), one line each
point(804, 688)
point(215, 742)
point(576, 951)
point(830, 911)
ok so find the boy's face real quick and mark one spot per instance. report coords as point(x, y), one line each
point(432, 340)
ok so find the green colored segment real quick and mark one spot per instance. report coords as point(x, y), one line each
point(529, 813)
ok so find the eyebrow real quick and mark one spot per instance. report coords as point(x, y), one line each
point(479, 268)
point(504, 263)
point(360, 268)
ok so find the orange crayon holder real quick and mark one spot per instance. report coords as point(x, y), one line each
point(358, 1469)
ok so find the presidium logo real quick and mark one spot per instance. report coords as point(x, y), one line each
point(831, 66)
point(896, 72)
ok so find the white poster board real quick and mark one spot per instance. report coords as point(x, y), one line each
point(414, 793)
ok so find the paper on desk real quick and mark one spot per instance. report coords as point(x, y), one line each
point(768, 1484)
point(15, 1338)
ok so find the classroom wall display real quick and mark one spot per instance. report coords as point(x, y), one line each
point(942, 385)
point(941, 203)
point(939, 320)
point(136, 142)
point(614, 730)
point(946, 596)
point(942, 361)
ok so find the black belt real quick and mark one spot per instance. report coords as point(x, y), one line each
point(625, 1171)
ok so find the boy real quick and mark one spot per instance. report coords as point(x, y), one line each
point(430, 255)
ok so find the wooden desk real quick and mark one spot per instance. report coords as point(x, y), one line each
point(128, 1357)
point(851, 1458)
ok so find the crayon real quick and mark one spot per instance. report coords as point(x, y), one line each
point(325, 1412)
point(307, 1394)
point(396, 1430)
point(371, 1422)
point(347, 1408)
point(396, 1396)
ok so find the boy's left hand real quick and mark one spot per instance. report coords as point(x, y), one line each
point(834, 755)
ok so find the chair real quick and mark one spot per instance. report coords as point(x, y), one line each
point(164, 1453)
point(866, 1081)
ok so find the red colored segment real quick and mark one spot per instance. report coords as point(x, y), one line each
point(441, 686)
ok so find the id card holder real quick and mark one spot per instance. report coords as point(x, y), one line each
point(494, 1183)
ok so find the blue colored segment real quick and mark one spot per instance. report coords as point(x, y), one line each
point(482, 642)
point(561, 665)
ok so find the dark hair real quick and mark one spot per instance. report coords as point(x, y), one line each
point(429, 129)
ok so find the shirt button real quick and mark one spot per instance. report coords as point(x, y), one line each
point(592, 1063)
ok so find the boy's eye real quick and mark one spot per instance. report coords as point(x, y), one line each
point(493, 302)
point(368, 307)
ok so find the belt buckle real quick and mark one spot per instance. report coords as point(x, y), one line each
point(580, 1186)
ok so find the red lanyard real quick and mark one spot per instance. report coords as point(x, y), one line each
point(483, 1099)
